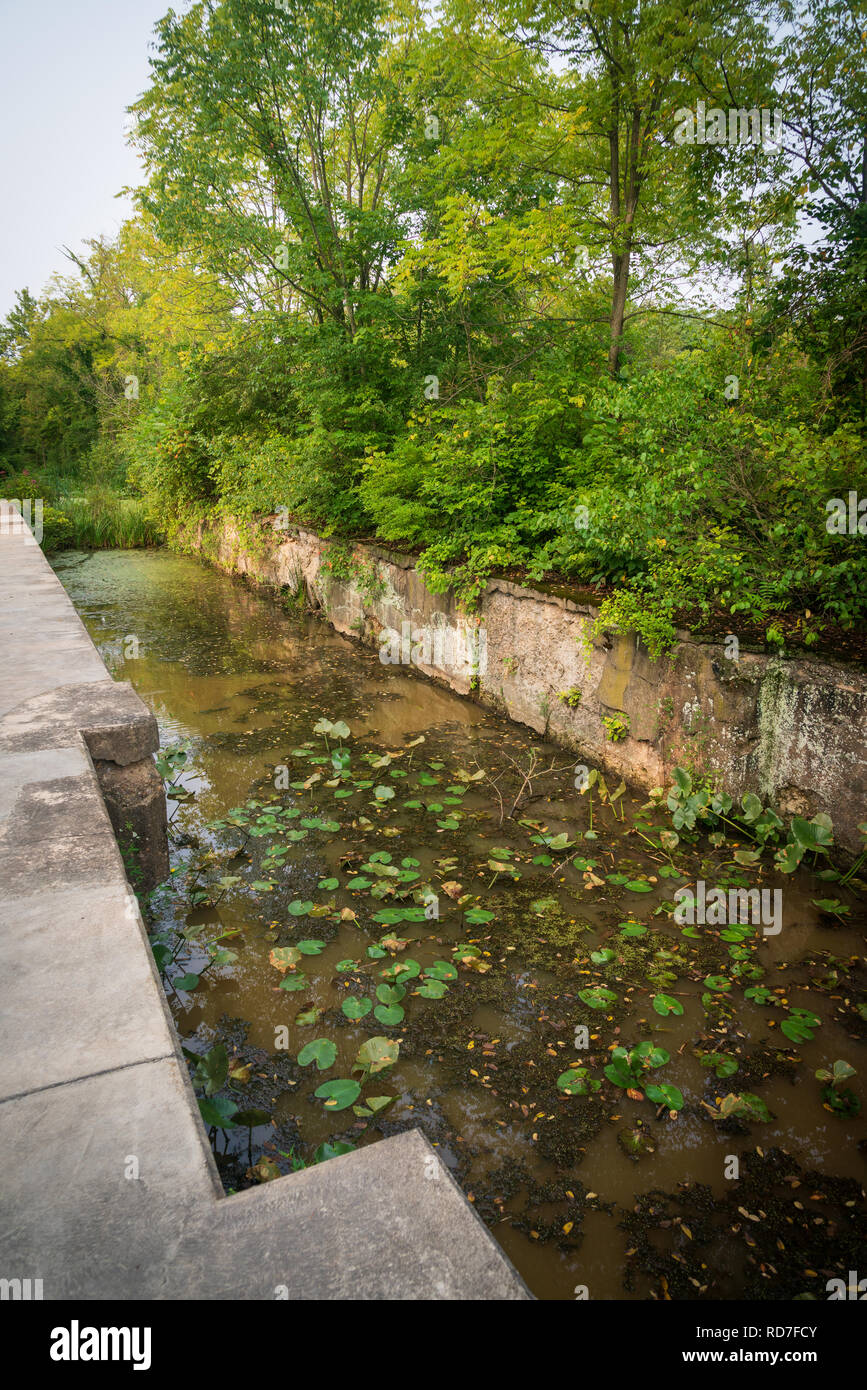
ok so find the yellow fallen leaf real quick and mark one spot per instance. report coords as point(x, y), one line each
point(567, 1228)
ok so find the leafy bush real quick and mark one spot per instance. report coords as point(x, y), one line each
point(58, 532)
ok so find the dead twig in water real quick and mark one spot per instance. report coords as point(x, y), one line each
point(527, 777)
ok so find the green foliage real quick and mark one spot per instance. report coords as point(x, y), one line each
point(628, 1066)
point(841, 1099)
point(58, 532)
point(696, 806)
point(745, 1106)
point(435, 339)
point(616, 726)
point(627, 611)
point(101, 520)
point(570, 697)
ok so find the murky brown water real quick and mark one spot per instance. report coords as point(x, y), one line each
point(243, 680)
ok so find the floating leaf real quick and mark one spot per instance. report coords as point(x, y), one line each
point(576, 1082)
point(355, 1008)
point(597, 997)
point(339, 1094)
point(441, 970)
point(389, 1015)
point(402, 970)
point(219, 1112)
point(722, 1065)
point(375, 1055)
point(664, 1005)
point(322, 1051)
point(295, 980)
point(390, 994)
point(665, 1094)
point(377, 1103)
point(745, 1106)
point(759, 994)
point(334, 1149)
point(394, 943)
point(833, 906)
point(432, 989)
point(285, 957)
point(212, 1070)
point(308, 1016)
point(799, 1027)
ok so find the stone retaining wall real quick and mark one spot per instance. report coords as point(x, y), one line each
point(791, 729)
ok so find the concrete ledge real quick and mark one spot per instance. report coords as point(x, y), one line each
point(108, 1188)
point(115, 724)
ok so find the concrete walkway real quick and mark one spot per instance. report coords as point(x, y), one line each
point(91, 1074)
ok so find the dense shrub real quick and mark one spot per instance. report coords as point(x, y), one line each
point(58, 532)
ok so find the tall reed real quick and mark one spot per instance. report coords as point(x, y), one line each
point(103, 521)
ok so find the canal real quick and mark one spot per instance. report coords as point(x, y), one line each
point(383, 893)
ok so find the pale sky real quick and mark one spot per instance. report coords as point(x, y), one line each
point(68, 70)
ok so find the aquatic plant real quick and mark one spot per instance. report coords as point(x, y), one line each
point(837, 1097)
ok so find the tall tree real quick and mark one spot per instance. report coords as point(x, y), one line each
point(617, 73)
point(271, 135)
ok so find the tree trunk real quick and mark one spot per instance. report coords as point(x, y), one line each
point(618, 309)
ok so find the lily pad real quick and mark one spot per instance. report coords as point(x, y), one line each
point(355, 1008)
point(338, 1094)
point(322, 1051)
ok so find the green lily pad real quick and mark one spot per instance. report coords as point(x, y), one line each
point(355, 1008)
point(322, 1051)
point(389, 1015)
point(338, 1094)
